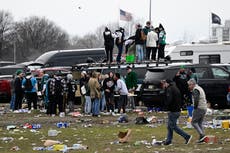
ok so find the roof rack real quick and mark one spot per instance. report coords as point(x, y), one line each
point(109, 65)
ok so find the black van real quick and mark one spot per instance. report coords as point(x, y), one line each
point(214, 80)
point(71, 57)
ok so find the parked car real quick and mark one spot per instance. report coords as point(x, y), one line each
point(5, 88)
point(214, 80)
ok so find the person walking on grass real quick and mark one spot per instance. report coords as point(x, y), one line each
point(200, 108)
point(173, 105)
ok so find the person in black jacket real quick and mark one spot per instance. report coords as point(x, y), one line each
point(72, 87)
point(18, 90)
point(109, 86)
point(139, 41)
point(172, 103)
point(109, 44)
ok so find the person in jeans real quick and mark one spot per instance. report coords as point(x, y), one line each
point(95, 94)
point(172, 104)
point(122, 91)
point(139, 43)
point(200, 108)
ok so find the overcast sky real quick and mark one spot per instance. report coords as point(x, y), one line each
point(79, 17)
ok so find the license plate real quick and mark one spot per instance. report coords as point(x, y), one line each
point(151, 86)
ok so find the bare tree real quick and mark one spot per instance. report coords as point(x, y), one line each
point(37, 35)
point(6, 22)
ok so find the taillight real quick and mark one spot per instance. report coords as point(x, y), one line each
point(229, 88)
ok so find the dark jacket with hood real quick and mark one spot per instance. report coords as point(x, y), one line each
point(172, 98)
point(108, 38)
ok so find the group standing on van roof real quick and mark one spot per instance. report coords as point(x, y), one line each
point(144, 45)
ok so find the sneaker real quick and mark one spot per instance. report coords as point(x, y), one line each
point(188, 139)
point(201, 140)
point(167, 143)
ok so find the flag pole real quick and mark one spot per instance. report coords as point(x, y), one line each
point(150, 9)
point(209, 35)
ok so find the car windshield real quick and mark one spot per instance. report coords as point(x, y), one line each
point(155, 75)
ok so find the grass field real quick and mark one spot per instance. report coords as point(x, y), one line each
point(100, 134)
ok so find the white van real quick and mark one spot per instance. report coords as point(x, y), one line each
point(200, 53)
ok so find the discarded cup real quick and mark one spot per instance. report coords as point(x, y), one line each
point(52, 133)
point(62, 125)
point(36, 126)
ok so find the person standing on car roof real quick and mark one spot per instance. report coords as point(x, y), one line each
point(173, 105)
point(119, 42)
point(200, 108)
point(146, 30)
point(181, 79)
point(109, 44)
point(131, 83)
point(139, 41)
point(151, 44)
point(18, 90)
point(30, 85)
point(161, 43)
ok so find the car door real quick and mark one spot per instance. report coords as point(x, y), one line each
point(220, 84)
point(205, 80)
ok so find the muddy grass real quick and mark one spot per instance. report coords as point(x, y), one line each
point(100, 134)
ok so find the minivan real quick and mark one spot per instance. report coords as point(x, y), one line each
point(214, 80)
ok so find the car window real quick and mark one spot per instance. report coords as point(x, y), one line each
point(202, 72)
point(219, 73)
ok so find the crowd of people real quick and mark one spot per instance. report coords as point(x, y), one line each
point(59, 93)
point(148, 42)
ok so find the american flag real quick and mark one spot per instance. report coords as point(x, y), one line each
point(125, 16)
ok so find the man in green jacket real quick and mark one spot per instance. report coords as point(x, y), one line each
point(131, 83)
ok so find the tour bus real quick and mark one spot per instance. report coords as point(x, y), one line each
point(200, 53)
point(71, 57)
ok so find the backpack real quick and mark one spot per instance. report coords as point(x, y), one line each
point(58, 86)
point(28, 84)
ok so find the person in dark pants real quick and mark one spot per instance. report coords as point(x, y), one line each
point(109, 86)
point(172, 105)
point(119, 43)
point(18, 90)
point(162, 43)
point(50, 90)
point(31, 93)
point(72, 87)
point(109, 44)
point(181, 79)
point(122, 91)
point(58, 94)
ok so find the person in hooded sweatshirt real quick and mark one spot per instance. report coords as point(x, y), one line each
point(161, 43)
point(31, 94)
point(109, 44)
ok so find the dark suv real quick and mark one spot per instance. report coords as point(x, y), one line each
point(214, 80)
